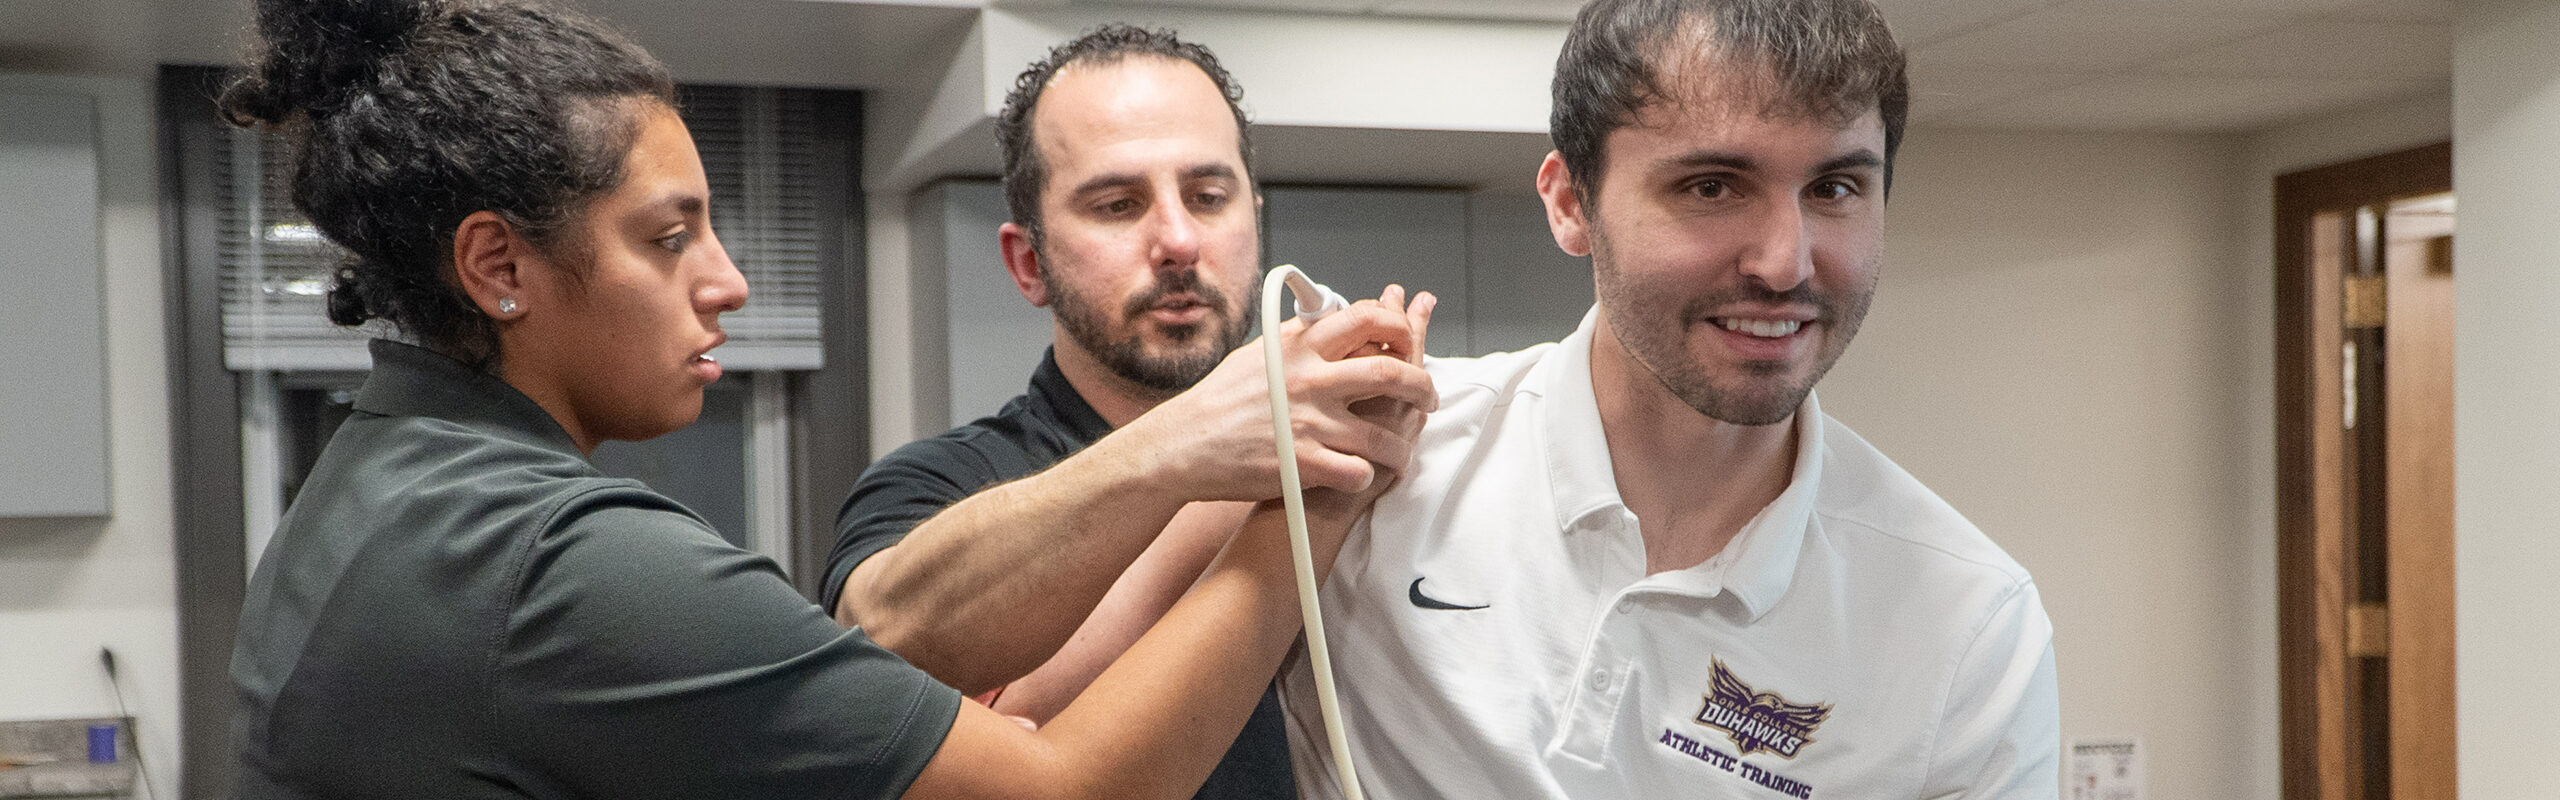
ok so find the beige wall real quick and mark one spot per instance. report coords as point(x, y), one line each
point(70, 586)
point(2073, 342)
point(2507, 394)
point(2057, 348)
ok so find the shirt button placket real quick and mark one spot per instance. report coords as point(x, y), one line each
point(1595, 707)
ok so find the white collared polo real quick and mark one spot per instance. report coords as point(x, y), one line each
point(1494, 633)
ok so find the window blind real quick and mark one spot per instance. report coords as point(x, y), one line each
point(760, 149)
point(761, 152)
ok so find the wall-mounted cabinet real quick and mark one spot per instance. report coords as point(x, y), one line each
point(53, 387)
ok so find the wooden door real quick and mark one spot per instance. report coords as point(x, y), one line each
point(2365, 477)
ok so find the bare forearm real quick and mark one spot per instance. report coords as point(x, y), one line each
point(986, 590)
point(1155, 582)
point(1156, 722)
point(989, 589)
point(1159, 577)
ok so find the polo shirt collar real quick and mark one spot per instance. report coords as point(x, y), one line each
point(1757, 566)
point(1761, 561)
point(412, 381)
point(1054, 397)
point(1578, 471)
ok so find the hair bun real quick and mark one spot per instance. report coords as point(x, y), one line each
point(345, 300)
point(317, 52)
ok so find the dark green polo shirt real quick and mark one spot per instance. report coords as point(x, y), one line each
point(459, 606)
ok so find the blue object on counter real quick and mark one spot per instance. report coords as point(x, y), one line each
point(102, 744)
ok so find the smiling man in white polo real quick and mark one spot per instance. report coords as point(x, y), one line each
point(1641, 562)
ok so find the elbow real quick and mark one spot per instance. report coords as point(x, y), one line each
point(902, 619)
point(870, 601)
point(891, 627)
point(843, 609)
point(897, 626)
point(912, 637)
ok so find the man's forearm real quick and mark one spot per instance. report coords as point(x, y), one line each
point(989, 588)
point(985, 591)
point(1156, 722)
point(1151, 585)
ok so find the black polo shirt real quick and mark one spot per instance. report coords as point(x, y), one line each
point(458, 605)
point(1046, 423)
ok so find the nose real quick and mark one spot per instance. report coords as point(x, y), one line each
point(722, 288)
point(1174, 236)
point(1782, 257)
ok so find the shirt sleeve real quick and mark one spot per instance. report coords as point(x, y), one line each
point(2000, 735)
point(904, 489)
point(647, 657)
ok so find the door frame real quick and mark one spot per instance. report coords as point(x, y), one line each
point(2312, 588)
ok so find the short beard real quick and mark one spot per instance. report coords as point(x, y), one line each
point(1127, 356)
point(1739, 399)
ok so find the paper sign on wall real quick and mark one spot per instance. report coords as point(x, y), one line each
point(2104, 768)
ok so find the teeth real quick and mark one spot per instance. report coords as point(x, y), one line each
point(1766, 328)
point(706, 357)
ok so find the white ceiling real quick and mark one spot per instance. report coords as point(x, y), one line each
point(2111, 65)
point(2115, 65)
point(867, 44)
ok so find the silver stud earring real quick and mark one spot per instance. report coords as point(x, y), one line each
point(506, 305)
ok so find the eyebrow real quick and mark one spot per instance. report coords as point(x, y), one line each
point(1124, 179)
point(1209, 171)
point(1860, 159)
point(677, 200)
point(1714, 158)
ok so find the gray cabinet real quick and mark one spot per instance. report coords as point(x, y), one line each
point(1523, 290)
point(1358, 240)
point(53, 432)
point(971, 321)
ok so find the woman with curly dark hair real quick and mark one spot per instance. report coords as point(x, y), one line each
point(459, 605)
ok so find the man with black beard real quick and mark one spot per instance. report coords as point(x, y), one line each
point(1145, 437)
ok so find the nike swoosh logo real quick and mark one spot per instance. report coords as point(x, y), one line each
point(1414, 593)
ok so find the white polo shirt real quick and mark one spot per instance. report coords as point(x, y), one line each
point(1495, 635)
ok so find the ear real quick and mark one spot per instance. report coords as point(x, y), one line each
point(487, 258)
point(1565, 217)
point(1022, 261)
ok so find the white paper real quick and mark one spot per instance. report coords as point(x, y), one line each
point(2104, 768)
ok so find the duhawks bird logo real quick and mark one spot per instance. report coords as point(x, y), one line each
point(1759, 721)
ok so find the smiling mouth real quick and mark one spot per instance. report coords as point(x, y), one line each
point(1763, 328)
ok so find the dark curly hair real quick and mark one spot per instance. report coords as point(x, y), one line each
point(1025, 175)
point(1824, 59)
point(409, 115)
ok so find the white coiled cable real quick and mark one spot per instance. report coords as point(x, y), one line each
point(1314, 301)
